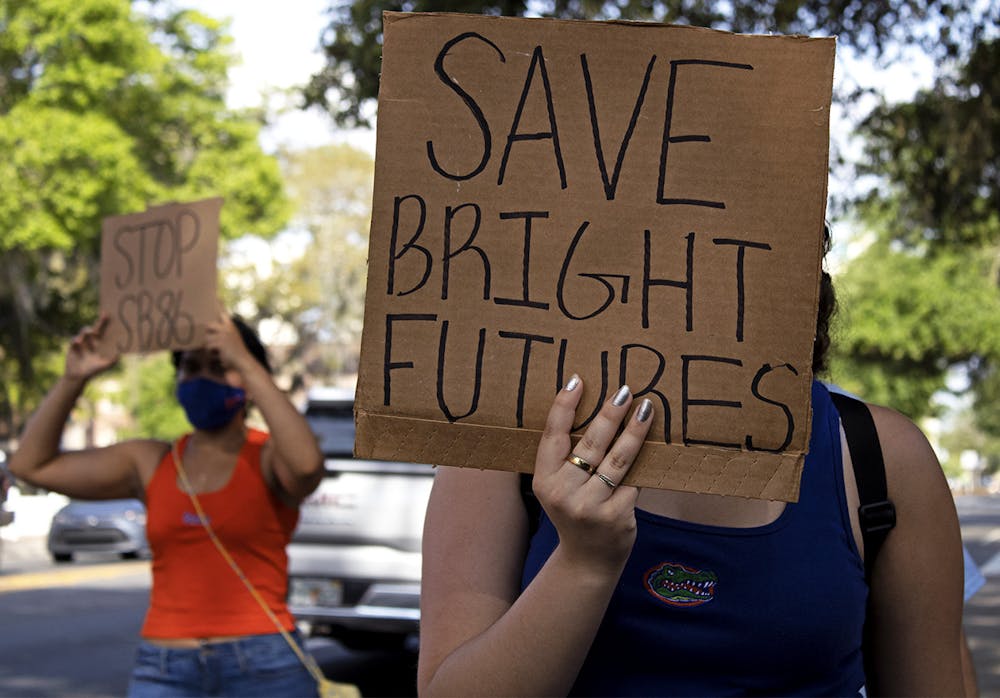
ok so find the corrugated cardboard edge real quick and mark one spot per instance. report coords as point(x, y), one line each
point(392, 16)
point(709, 470)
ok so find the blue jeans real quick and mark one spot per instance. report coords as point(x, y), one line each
point(255, 665)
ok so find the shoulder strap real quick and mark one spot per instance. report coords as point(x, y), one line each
point(531, 504)
point(876, 512)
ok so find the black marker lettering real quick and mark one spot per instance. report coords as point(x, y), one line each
point(625, 378)
point(388, 364)
point(477, 113)
point(144, 319)
point(165, 233)
point(789, 418)
point(537, 61)
point(195, 235)
point(611, 185)
point(524, 301)
point(668, 138)
point(168, 330)
point(477, 384)
point(411, 245)
point(740, 291)
point(125, 343)
point(525, 359)
point(601, 278)
point(687, 401)
point(117, 243)
point(449, 215)
point(687, 284)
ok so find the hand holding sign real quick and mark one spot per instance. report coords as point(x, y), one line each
point(223, 338)
point(84, 360)
point(595, 517)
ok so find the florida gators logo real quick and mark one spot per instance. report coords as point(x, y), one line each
point(678, 585)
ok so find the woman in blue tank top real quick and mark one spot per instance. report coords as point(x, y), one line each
point(656, 592)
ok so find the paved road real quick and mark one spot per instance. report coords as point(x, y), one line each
point(71, 630)
point(980, 519)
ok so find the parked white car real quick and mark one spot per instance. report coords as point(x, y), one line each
point(354, 561)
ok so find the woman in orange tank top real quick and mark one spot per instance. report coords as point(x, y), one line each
point(205, 633)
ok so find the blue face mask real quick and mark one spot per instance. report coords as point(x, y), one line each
point(210, 404)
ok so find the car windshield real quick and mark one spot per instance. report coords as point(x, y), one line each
point(333, 425)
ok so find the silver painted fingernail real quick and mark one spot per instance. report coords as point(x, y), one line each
point(621, 396)
point(571, 384)
point(645, 409)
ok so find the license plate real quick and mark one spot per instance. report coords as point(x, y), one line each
point(315, 592)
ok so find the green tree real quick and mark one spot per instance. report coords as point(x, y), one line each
point(315, 287)
point(145, 387)
point(923, 301)
point(352, 40)
point(103, 110)
point(906, 320)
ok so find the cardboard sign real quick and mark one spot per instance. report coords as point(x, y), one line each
point(159, 277)
point(637, 203)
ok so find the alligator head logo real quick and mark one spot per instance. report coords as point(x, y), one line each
point(678, 585)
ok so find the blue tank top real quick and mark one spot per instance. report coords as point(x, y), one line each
point(709, 610)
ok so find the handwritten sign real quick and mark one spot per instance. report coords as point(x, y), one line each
point(640, 204)
point(159, 277)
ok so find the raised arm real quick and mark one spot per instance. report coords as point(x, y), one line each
point(479, 634)
point(292, 457)
point(917, 579)
point(98, 473)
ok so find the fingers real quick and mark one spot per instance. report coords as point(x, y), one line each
point(89, 337)
point(619, 458)
point(602, 457)
point(602, 430)
point(555, 441)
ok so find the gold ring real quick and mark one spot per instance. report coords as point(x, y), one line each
point(607, 480)
point(581, 464)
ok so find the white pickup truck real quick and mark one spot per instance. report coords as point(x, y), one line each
point(354, 561)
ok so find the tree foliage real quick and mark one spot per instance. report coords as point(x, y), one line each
point(939, 155)
point(352, 40)
point(104, 110)
point(145, 387)
point(924, 299)
point(314, 294)
point(908, 319)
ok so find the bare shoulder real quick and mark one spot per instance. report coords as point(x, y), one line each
point(911, 465)
point(917, 580)
point(145, 455)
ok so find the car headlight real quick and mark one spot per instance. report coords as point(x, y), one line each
point(138, 517)
point(62, 519)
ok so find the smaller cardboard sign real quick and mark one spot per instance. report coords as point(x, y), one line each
point(159, 276)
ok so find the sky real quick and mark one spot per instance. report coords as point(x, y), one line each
point(279, 49)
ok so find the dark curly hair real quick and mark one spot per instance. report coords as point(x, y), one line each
point(250, 340)
point(827, 307)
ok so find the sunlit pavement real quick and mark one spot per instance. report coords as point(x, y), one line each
point(68, 576)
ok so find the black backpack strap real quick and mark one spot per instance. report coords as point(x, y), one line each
point(531, 504)
point(876, 512)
